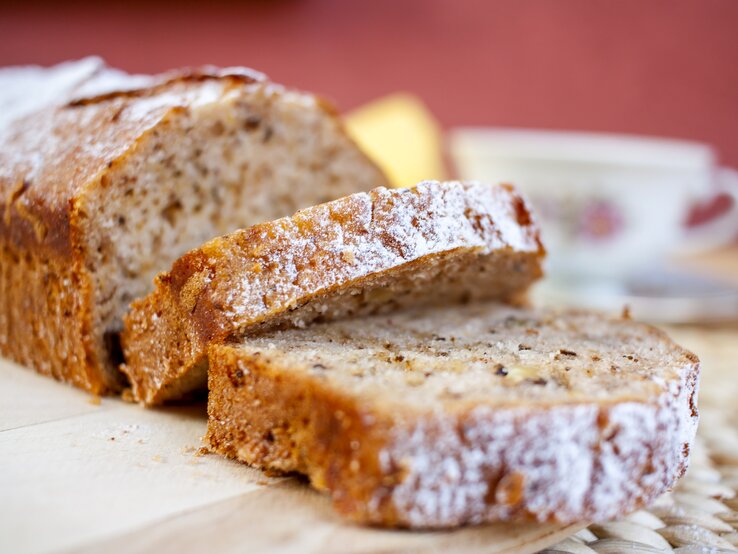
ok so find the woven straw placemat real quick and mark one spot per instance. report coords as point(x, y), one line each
point(701, 514)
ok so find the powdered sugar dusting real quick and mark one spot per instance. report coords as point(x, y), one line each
point(26, 89)
point(573, 462)
point(338, 243)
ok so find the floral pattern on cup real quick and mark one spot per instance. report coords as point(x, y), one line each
point(595, 220)
point(600, 220)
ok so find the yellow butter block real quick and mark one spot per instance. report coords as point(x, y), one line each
point(401, 135)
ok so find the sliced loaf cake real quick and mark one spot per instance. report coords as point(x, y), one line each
point(106, 178)
point(443, 416)
point(368, 252)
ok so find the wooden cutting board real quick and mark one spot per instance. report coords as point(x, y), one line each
point(80, 474)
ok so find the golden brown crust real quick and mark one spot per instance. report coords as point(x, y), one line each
point(391, 465)
point(162, 83)
point(437, 242)
point(44, 318)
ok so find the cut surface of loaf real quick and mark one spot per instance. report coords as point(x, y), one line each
point(443, 416)
point(108, 178)
point(365, 253)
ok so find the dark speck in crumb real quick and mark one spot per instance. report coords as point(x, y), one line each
point(500, 370)
point(523, 347)
point(566, 352)
point(252, 122)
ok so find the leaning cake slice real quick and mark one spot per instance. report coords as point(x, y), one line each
point(365, 253)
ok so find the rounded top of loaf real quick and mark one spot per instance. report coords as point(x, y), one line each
point(64, 127)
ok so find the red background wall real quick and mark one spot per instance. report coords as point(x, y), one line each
point(661, 67)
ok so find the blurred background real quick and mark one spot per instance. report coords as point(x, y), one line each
point(658, 67)
point(436, 88)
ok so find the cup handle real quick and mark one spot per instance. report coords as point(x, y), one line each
point(723, 229)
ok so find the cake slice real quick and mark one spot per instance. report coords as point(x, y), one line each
point(368, 252)
point(107, 178)
point(435, 417)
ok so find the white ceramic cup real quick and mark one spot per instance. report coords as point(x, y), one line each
point(608, 204)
